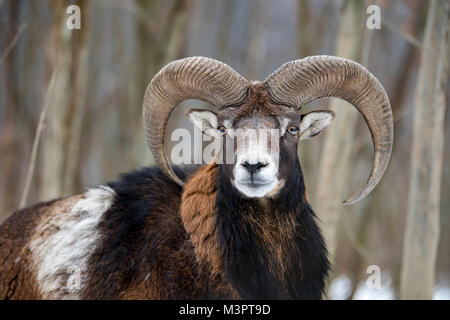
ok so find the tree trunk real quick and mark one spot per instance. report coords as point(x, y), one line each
point(67, 57)
point(156, 50)
point(334, 162)
point(422, 228)
point(9, 115)
point(72, 179)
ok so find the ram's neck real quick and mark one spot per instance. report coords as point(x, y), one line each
point(198, 216)
point(273, 248)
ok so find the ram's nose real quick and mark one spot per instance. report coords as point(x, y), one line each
point(253, 168)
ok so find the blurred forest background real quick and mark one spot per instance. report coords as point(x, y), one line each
point(78, 93)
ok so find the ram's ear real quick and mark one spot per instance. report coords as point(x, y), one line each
point(315, 122)
point(205, 120)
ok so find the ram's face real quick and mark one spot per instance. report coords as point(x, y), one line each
point(259, 142)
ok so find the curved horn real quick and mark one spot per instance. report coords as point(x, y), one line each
point(299, 82)
point(190, 78)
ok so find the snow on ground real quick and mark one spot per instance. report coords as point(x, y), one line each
point(340, 289)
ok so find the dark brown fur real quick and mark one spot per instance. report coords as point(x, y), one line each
point(145, 251)
point(257, 103)
point(198, 216)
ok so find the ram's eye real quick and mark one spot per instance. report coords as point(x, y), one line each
point(221, 129)
point(293, 129)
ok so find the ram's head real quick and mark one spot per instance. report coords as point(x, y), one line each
point(261, 121)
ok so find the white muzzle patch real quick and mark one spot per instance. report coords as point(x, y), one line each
point(257, 161)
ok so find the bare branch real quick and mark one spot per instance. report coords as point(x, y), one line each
point(405, 36)
point(13, 42)
point(37, 137)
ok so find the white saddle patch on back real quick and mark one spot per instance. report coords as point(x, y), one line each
point(61, 258)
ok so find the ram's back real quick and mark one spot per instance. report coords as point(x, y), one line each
point(124, 239)
point(17, 280)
